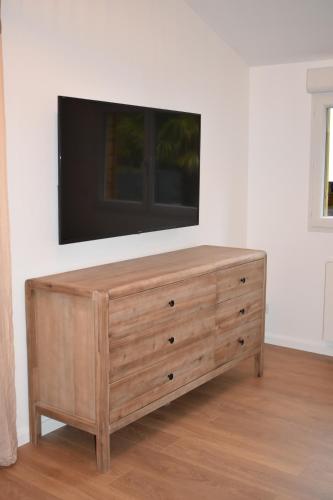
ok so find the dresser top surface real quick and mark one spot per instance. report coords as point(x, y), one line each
point(135, 275)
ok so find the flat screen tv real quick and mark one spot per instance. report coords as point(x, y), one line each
point(125, 169)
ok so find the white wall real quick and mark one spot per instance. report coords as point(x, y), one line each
point(147, 52)
point(279, 162)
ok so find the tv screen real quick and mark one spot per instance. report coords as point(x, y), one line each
point(125, 169)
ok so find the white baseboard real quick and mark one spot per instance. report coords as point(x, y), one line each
point(22, 436)
point(48, 425)
point(318, 347)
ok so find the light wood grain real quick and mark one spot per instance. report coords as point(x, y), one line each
point(171, 396)
point(33, 376)
point(82, 423)
point(239, 310)
point(236, 342)
point(152, 383)
point(136, 275)
point(65, 352)
point(157, 342)
point(259, 357)
point(239, 280)
point(99, 361)
point(101, 333)
point(233, 438)
point(166, 304)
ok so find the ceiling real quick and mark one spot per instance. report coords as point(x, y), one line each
point(271, 31)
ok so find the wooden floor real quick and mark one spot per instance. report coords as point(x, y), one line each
point(237, 437)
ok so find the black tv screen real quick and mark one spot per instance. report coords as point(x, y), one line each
point(125, 169)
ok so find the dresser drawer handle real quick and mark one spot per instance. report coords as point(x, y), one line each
point(242, 280)
point(170, 376)
point(171, 340)
point(242, 311)
point(241, 341)
point(171, 303)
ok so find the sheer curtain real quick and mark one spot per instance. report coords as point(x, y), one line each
point(8, 439)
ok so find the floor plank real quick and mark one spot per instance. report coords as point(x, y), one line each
point(235, 438)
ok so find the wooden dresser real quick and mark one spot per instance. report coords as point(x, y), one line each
point(109, 344)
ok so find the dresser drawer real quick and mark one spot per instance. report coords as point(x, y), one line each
point(137, 313)
point(141, 388)
point(237, 342)
point(136, 351)
point(240, 279)
point(239, 311)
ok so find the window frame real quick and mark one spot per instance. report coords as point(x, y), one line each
point(317, 220)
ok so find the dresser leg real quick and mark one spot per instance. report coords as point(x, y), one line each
point(259, 363)
point(35, 425)
point(103, 452)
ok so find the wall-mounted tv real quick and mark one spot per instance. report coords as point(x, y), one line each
point(125, 169)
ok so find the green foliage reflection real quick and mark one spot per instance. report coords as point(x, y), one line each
point(177, 141)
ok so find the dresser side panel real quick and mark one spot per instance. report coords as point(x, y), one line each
point(65, 352)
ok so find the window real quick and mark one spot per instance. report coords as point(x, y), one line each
point(328, 186)
point(321, 178)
